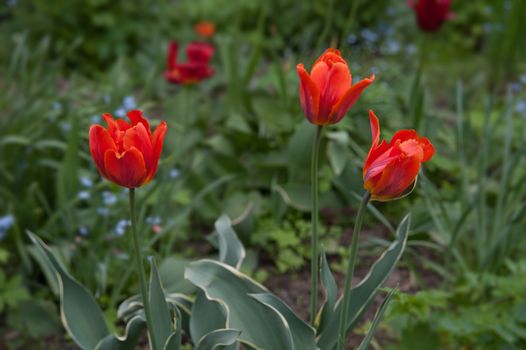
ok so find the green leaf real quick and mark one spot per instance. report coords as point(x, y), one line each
point(81, 315)
point(174, 340)
point(303, 335)
point(161, 327)
point(331, 292)
point(381, 310)
point(365, 291)
point(260, 326)
point(338, 155)
point(130, 338)
point(218, 339)
point(171, 272)
point(207, 316)
point(231, 250)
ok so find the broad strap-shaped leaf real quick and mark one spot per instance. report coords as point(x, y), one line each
point(331, 292)
point(207, 316)
point(365, 291)
point(130, 338)
point(174, 340)
point(231, 250)
point(260, 326)
point(377, 317)
point(183, 305)
point(161, 327)
point(303, 335)
point(81, 315)
point(218, 339)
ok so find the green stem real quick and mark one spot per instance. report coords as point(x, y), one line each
point(353, 250)
point(140, 266)
point(314, 222)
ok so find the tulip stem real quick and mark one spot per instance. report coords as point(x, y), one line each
point(314, 222)
point(353, 250)
point(140, 266)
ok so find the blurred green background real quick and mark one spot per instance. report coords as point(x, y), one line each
point(238, 144)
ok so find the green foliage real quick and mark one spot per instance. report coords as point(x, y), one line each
point(482, 311)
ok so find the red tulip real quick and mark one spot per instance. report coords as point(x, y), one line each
point(327, 93)
point(205, 29)
point(127, 154)
point(431, 14)
point(391, 169)
point(195, 69)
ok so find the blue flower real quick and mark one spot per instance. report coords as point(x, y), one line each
point(369, 35)
point(86, 181)
point(121, 112)
point(95, 119)
point(521, 107)
point(6, 222)
point(109, 198)
point(83, 195)
point(83, 231)
point(153, 220)
point(129, 103)
point(523, 78)
point(174, 173)
point(103, 211)
point(352, 39)
point(120, 228)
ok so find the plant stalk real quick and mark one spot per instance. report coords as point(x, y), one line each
point(353, 250)
point(140, 267)
point(314, 224)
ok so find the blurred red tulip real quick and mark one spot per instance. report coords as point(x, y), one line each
point(327, 93)
point(195, 69)
point(431, 14)
point(127, 154)
point(390, 169)
point(205, 29)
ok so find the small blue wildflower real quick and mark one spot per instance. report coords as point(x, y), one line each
point(83, 195)
point(392, 47)
point(109, 198)
point(6, 222)
point(129, 103)
point(515, 86)
point(83, 231)
point(11, 3)
point(153, 220)
point(106, 99)
point(523, 78)
point(174, 173)
point(120, 228)
point(352, 39)
point(66, 127)
point(86, 181)
point(103, 211)
point(57, 105)
point(521, 107)
point(95, 119)
point(369, 35)
point(487, 27)
point(121, 112)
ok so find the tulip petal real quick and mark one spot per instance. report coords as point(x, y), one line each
point(99, 142)
point(429, 149)
point(396, 178)
point(157, 143)
point(309, 94)
point(127, 169)
point(338, 83)
point(376, 149)
point(349, 99)
point(199, 52)
point(139, 138)
point(136, 117)
point(173, 49)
